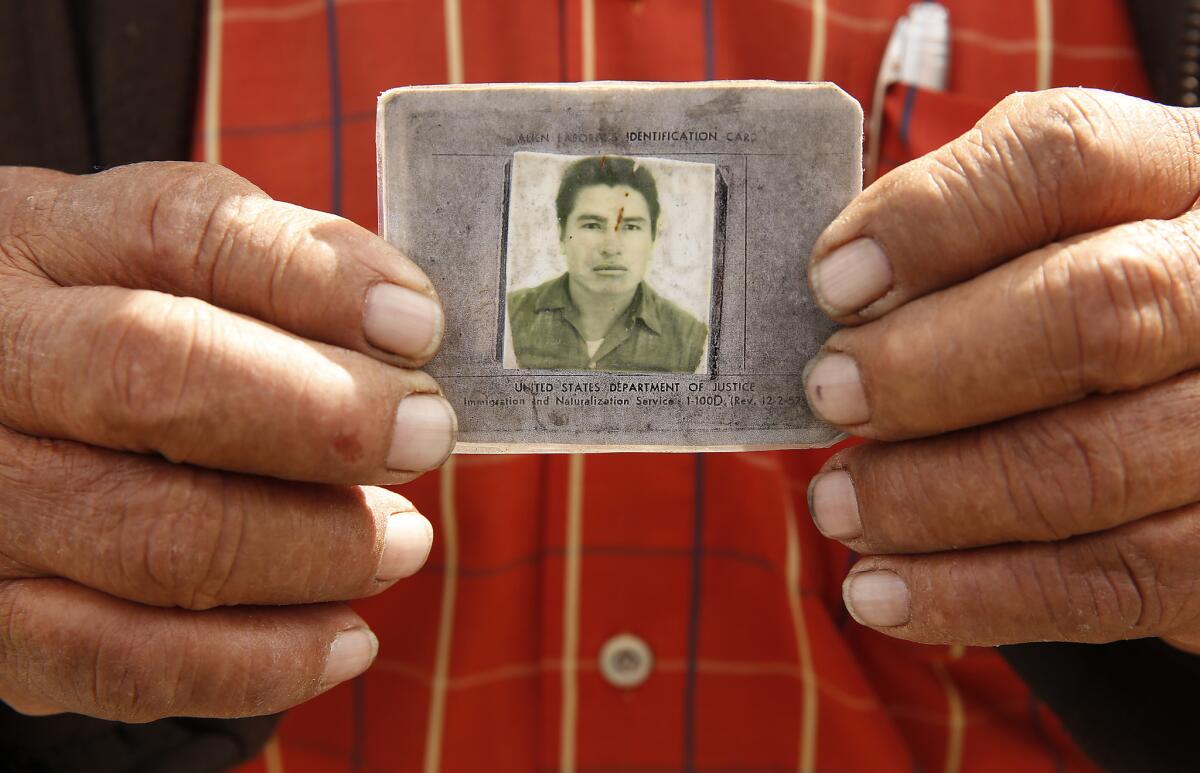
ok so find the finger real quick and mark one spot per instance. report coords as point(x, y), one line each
point(1134, 581)
point(199, 230)
point(30, 707)
point(92, 654)
point(1105, 312)
point(1037, 168)
point(165, 534)
point(141, 371)
point(1189, 643)
point(1081, 468)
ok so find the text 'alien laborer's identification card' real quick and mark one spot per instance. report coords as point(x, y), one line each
point(622, 265)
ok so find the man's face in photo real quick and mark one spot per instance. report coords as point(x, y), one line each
point(607, 239)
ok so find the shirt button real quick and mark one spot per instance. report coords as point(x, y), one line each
point(626, 660)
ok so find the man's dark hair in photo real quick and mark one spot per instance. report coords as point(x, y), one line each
point(611, 171)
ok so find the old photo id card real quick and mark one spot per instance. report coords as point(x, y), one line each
point(622, 265)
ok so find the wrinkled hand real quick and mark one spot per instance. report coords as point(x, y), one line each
point(1025, 305)
point(174, 346)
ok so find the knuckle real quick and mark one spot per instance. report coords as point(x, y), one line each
point(14, 622)
point(1071, 126)
point(140, 676)
point(170, 200)
point(20, 332)
point(1057, 329)
point(1020, 457)
point(1183, 126)
point(179, 540)
point(218, 234)
point(1059, 480)
point(286, 256)
point(252, 245)
point(1141, 318)
point(1049, 144)
point(131, 680)
point(98, 679)
point(1061, 127)
point(1108, 589)
point(134, 363)
point(1117, 312)
point(989, 173)
point(195, 216)
point(28, 200)
point(967, 179)
point(146, 365)
point(228, 226)
point(178, 197)
point(1135, 575)
point(34, 473)
point(18, 251)
point(23, 662)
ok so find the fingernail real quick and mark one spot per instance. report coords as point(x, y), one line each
point(402, 321)
point(834, 505)
point(835, 391)
point(351, 653)
point(423, 434)
point(879, 598)
point(851, 277)
point(406, 543)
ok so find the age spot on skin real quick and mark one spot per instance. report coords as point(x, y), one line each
point(348, 447)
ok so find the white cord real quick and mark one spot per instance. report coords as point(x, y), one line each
point(917, 54)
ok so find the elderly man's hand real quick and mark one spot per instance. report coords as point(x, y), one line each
point(1026, 312)
point(174, 347)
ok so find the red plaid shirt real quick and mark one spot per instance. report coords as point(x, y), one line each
point(490, 657)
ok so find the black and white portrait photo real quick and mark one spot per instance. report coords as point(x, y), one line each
point(609, 264)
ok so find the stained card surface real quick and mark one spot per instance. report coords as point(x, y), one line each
point(622, 265)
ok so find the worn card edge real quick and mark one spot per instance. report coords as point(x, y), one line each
point(385, 98)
